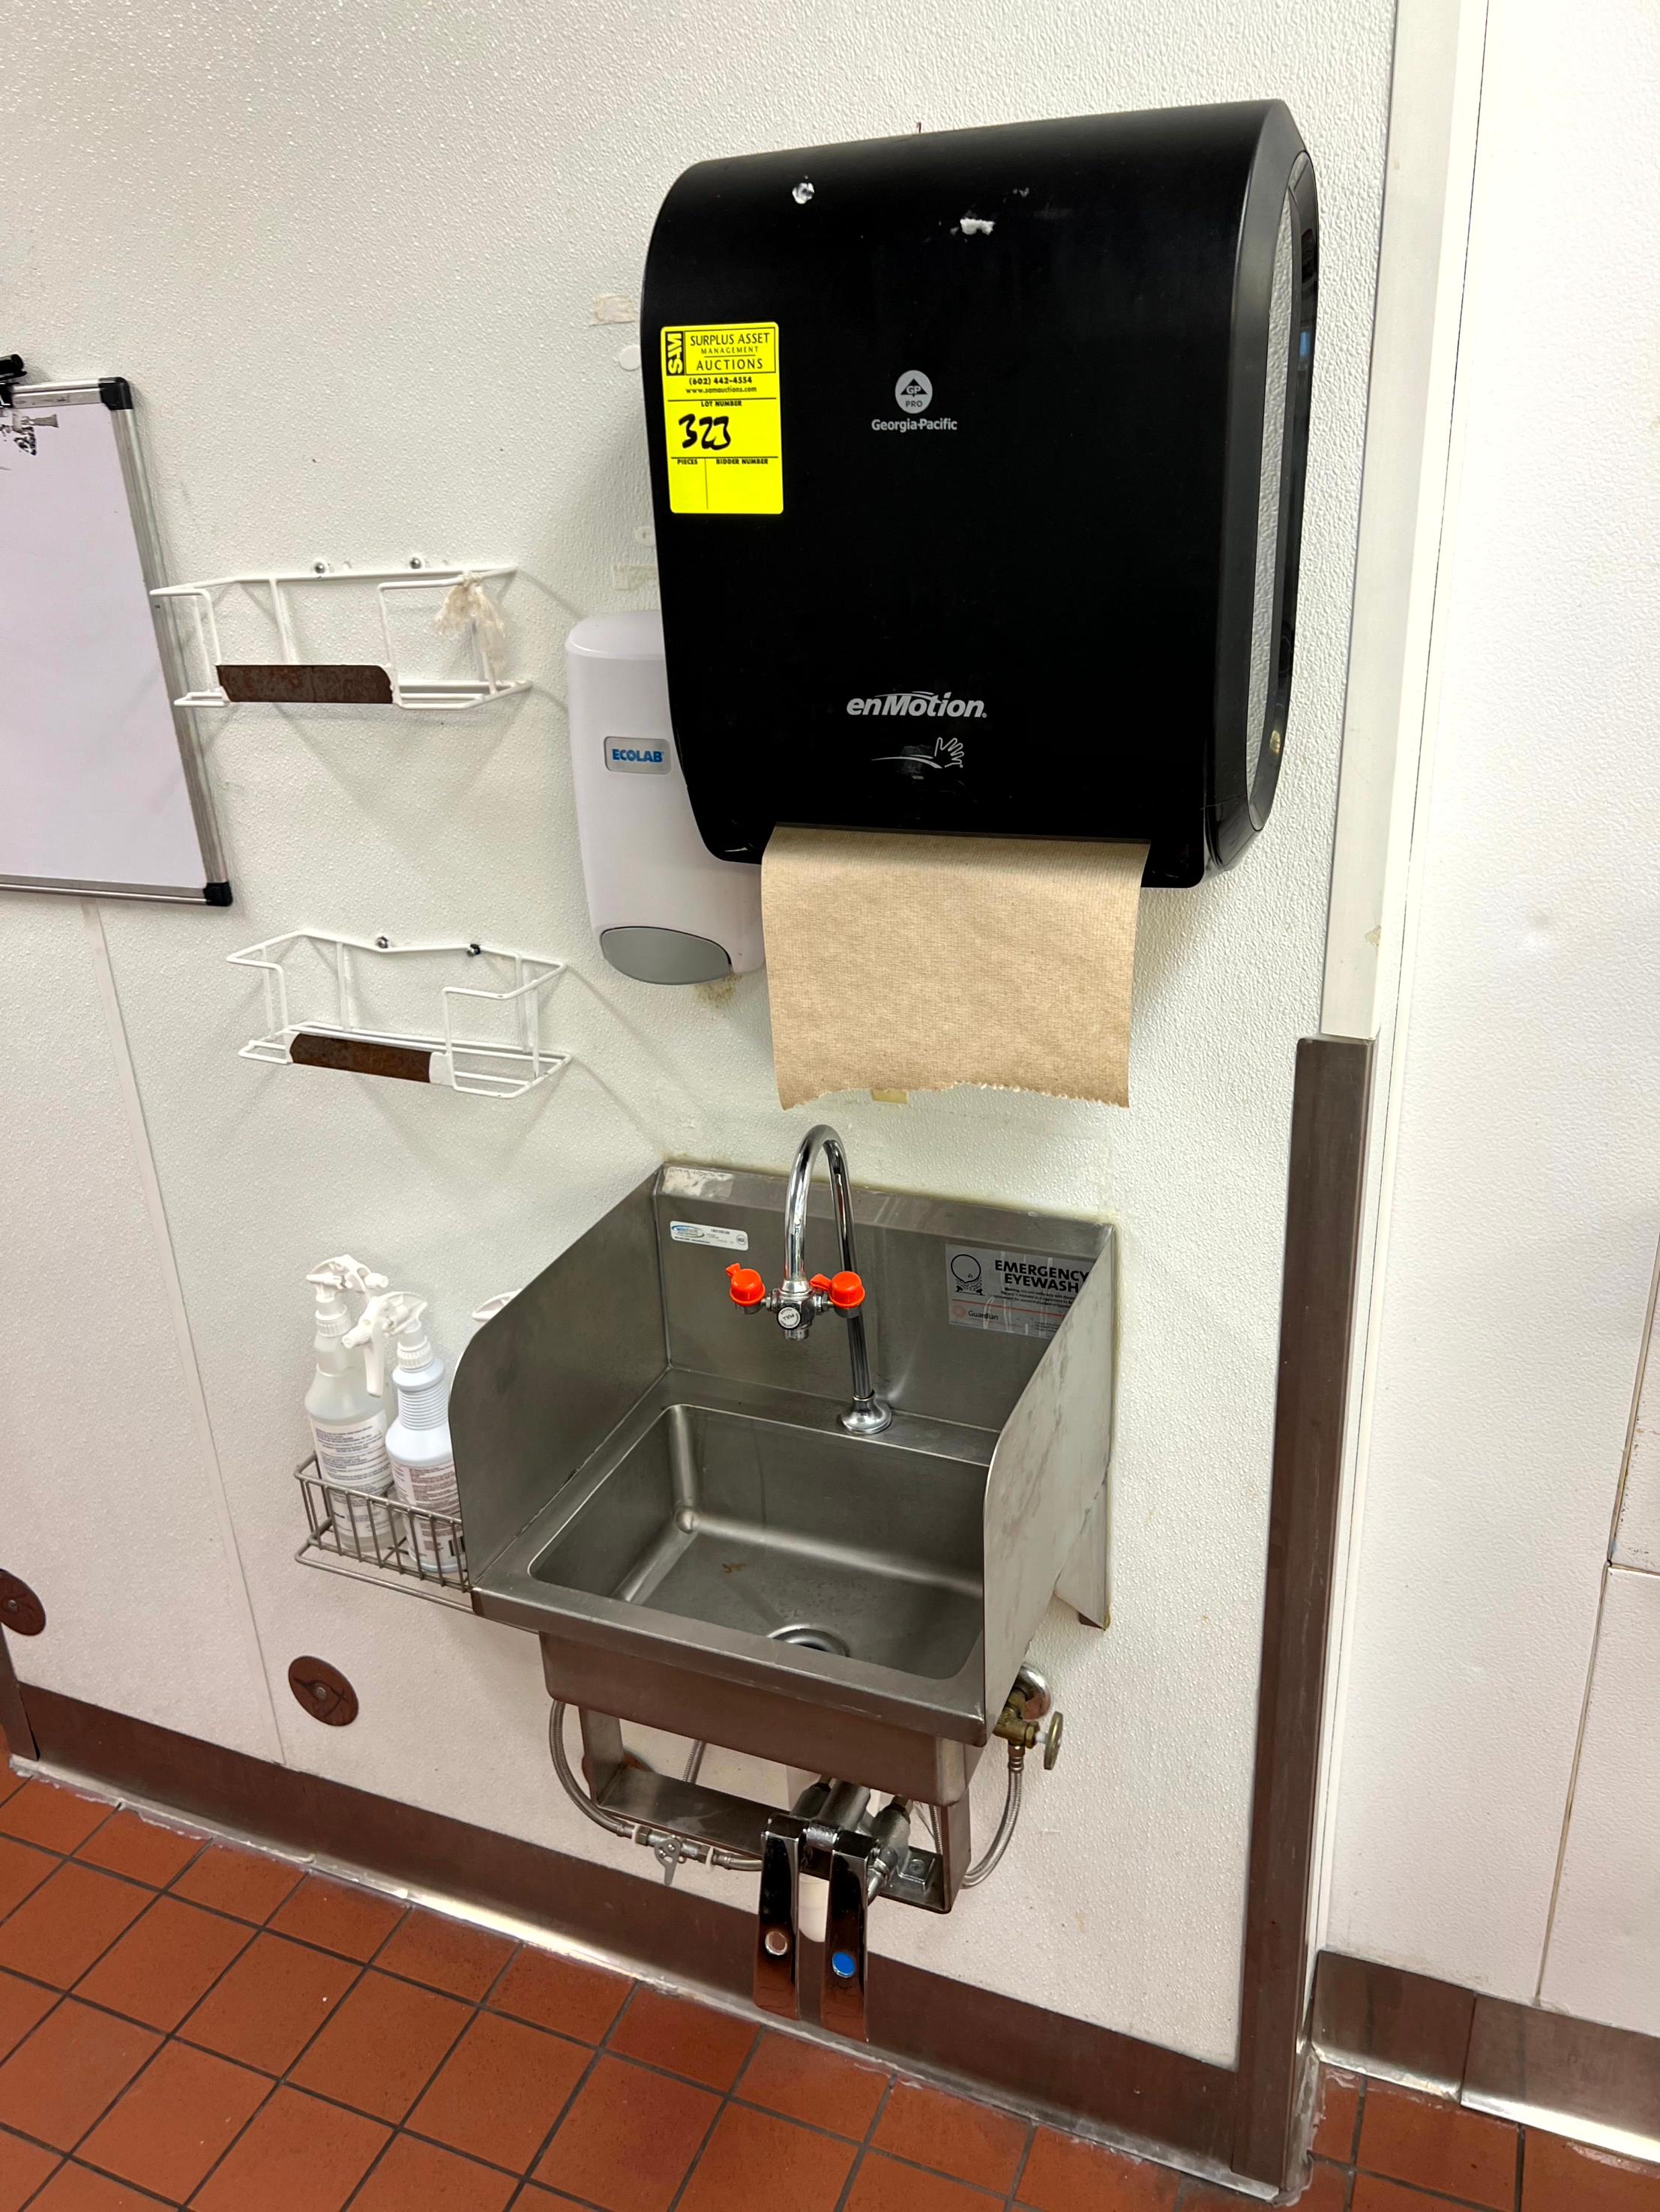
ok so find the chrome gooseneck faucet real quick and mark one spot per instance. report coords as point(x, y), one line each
point(800, 1298)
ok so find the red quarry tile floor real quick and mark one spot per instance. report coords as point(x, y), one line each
point(186, 2023)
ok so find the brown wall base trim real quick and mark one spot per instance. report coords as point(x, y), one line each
point(13, 1721)
point(1041, 2059)
point(1571, 2077)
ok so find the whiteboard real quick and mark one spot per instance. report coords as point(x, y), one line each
point(100, 783)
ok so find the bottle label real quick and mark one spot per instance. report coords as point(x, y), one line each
point(353, 1452)
point(431, 1487)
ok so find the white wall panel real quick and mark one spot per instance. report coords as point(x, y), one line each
point(106, 1503)
point(1604, 1959)
point(1526, 1183)
point(352, 271)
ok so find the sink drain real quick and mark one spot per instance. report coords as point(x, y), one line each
point(807, 1636)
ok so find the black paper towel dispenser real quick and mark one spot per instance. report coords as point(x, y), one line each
point(977, 465)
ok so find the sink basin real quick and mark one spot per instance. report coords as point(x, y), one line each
point(731, 1564)
point(855, 1547)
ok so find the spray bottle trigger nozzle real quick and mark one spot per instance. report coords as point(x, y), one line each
point(383, 1317)
point(342, 1272)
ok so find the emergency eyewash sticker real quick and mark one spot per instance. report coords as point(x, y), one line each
point(720, 413)
point(1011, 1293)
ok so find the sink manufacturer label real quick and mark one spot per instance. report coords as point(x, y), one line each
point(1011, 1293)
point(704, 1232)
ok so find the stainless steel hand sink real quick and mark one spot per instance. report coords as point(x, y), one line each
point(660, 1487)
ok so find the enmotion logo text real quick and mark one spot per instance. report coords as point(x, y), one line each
point(924, 703)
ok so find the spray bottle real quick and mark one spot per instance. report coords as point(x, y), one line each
point(348, 1421)
point(418, 1441)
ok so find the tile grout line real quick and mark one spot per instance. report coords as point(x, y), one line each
point(1025, 2160)
point(71, 2154)
point(1429, 2195)
point(722, 2105)
point(283, 2080)
point(401, 2130)
point(875, 2122)
point(603, 2046)
point(272, 2082)
point(171, 2035)
point(92, 1963)
point(67, 2159)
point(255, 1929)
point(264, 1927)
point(1020, 2164)
point(703, 2143)
point(475, 2008)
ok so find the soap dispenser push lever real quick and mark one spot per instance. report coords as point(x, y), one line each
point(800, 1298)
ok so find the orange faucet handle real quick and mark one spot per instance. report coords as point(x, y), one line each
point(846, 1292)
point(747, 1287)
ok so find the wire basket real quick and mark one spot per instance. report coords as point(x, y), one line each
point(318, 982)
point(375, 1537)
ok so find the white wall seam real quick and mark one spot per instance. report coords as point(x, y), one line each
point(1572, 1789)
point(1439, 65)
point(1604, 1962)
point(1389, 1063)
point(1636, 1410)
point(155, 1209)
point(1597, 1641)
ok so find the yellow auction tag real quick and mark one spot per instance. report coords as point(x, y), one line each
point(720, 413)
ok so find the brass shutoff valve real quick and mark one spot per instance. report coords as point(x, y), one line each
point(1023, 1725)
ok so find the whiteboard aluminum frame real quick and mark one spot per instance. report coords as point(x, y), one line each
point(141, 506)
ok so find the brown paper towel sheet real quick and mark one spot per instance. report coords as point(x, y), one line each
point(911, 963)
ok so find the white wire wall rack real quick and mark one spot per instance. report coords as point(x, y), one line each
point(374, 1537)
point(349, 991)
point(296, 681)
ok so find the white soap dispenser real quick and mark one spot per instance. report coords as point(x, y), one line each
point(665, 909)
point(347, 1421)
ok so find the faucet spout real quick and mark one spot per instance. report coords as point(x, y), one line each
point(799, 1297)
